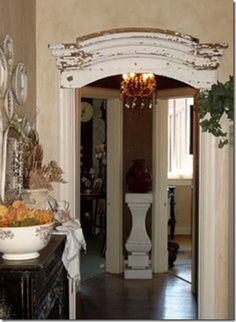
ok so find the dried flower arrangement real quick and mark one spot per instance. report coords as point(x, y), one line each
point(27, 163)
point(37, 175)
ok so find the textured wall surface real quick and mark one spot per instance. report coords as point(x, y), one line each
point(17, 19)
point(61, 21)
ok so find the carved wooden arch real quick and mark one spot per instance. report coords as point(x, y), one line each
point(117, 51)
point(164, 53)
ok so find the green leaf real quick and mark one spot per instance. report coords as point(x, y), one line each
point(222, 143)
point(216, 102)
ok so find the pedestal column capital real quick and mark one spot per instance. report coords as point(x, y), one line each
point(139, 198)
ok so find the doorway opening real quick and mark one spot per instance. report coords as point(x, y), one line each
point(114, 52)
point(180, 186)
point(93, 184)
point(135, 143)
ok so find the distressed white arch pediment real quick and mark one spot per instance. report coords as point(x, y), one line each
point(164, 53)
point(114, 52)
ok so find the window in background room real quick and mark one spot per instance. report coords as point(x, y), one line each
point(180, 161)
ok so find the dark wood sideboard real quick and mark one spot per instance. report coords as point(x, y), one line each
point(35, 289)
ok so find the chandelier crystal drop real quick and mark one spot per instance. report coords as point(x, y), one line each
point(137, 90)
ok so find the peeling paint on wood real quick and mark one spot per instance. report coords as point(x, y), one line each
point(149, 31)
point(107, 52)
point(70, 78)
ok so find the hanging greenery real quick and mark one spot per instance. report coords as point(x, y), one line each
point(213, 104)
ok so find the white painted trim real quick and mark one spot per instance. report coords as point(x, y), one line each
point(68, 130)
point(114, 252)
point(77, 156)
point(231, 254)
point(207, 228)
point(139, 50)
point(72, 298)
point(168, 54)
point(159, 186)
point(67, 147)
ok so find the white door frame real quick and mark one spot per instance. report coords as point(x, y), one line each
point(169, 54)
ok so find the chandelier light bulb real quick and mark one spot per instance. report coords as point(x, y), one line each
point(145, 76)
point(137, 90)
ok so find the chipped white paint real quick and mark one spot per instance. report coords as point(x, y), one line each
point(162, 52)
point(172, 55)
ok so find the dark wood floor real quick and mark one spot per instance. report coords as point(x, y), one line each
point(110, 296)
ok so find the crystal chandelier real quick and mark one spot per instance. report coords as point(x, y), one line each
point(137, 90)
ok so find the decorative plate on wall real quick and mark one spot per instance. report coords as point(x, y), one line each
point(9, 53)
point(4, 164)
point(20, 83)
point(3, 73)
point(9, 104)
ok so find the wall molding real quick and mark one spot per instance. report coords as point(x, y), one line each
point(114, 52)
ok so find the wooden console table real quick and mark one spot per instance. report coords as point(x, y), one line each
point(38, 288)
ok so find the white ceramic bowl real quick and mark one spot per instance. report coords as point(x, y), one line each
point(19, 243)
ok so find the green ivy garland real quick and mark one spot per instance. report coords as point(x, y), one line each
point(214, 103)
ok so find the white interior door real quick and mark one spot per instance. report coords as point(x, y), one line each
point(114, 252)
point(159, 207)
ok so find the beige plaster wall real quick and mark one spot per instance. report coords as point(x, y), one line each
point(61, 21)
point(17, 19)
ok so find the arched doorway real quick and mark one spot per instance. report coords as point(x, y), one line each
point(165, 53)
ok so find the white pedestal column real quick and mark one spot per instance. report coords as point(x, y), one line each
point(138, 244)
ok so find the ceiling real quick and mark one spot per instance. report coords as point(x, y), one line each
point(114, 82)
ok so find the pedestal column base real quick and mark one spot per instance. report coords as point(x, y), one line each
point(138, 261)
point(138, 273)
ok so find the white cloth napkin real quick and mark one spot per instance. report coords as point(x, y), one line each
point(74, 242)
